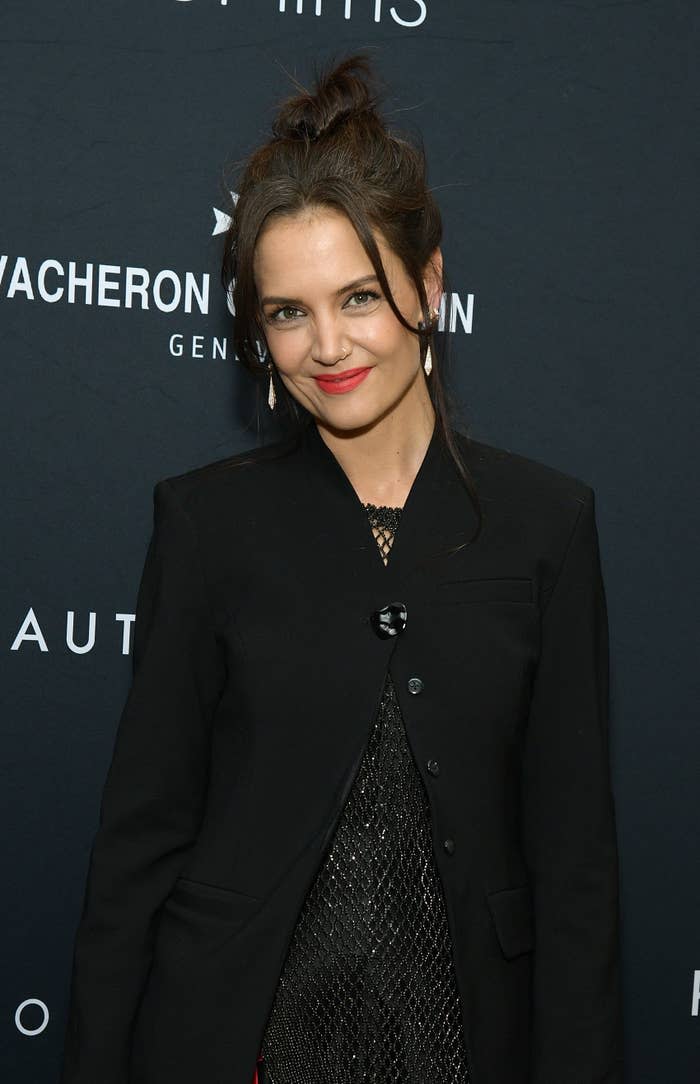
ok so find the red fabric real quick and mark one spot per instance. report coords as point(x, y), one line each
point(256, 1079)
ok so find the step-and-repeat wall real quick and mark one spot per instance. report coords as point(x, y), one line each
point(562, 141)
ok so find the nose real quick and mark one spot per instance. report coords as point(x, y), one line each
point(330, 343)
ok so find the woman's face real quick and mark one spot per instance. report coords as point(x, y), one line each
point(324, 314)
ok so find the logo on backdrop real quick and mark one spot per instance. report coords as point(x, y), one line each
point(78, 642)
point(169, 291)
point(21, 1026)
point(106, 285)
point(409, 13)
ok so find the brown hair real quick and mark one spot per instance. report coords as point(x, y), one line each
point(330, 147)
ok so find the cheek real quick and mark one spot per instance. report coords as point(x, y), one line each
point(385, 338)
point(398, 350)
point(289, 350)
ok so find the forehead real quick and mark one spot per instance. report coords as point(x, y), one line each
point(316, 249)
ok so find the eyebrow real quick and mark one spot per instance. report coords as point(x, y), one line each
point(343, 289)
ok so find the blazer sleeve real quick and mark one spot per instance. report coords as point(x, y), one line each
point(569, 826)
point(152, 801)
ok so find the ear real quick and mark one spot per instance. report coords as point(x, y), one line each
point(432, 279)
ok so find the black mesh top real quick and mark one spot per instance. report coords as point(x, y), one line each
point(367, 991)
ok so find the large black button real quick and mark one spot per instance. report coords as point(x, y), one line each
point(390, 620)
point(449, 846)
point(415, 685)
point(433, 767)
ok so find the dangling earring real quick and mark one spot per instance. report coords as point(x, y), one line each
point(428, 363)
point(263, 355)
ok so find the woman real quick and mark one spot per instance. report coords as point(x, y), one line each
point(358, 824)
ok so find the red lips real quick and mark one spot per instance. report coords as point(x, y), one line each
point(344, 375)
point(339, 383)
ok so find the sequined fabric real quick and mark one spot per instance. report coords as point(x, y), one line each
point(367, 992)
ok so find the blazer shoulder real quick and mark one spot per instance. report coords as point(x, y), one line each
point(531, 501)
point(205, 486)
point(502, 471)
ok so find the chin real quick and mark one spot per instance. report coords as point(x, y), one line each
point(347, 418)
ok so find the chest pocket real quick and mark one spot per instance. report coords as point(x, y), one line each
point(497, 589)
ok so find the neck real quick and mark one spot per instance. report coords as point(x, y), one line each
point(382, 460)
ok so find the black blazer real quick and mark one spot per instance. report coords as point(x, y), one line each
point(257, 672)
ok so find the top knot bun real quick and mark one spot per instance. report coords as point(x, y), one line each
point(339, 94)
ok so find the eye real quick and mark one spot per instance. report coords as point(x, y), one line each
point(371, 294)
point(275, 315)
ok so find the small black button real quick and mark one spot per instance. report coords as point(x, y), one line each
point(415, 685)
point(390, 620)
point(433, 767)
point(449, 846)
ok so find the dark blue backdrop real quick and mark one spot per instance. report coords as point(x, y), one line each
point(562, 140)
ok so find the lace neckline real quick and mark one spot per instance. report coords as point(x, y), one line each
point(383, 507)
point(384, 520)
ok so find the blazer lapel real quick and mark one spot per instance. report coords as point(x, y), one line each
point(437, 514)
